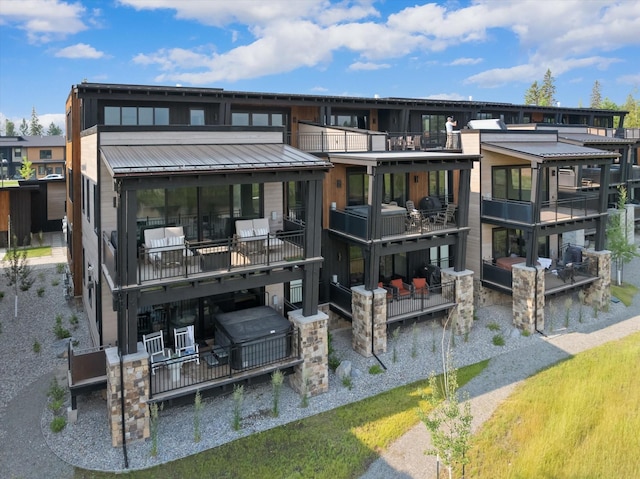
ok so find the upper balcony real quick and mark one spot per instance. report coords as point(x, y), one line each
point(395, 222)
point(330, 139)
point(210, 258)
point(574, 208)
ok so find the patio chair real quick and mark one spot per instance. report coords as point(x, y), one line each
point(389, 291)
point(400, 289)
point(446, 216)
point(414, 218)
point(154, 345)
point(185, 344)
point(420, 287)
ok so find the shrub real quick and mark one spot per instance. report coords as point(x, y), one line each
point(498, 340)
point(36, 346)
point(56, 405)
point(277, 378)
point(197, 409)
point(56, 392)
point(58, 424)
point(375, 369)
point(40, 292)
point(60, 268)
point(346, 382)
point(238, 398)
point(55, 282)
point(493, 326)
point(1, 294)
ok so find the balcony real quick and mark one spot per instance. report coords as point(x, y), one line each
point(394, 223)
point(207, 258)
point(551, 212)
point(436, 298)
point(219, 366)
point(556, 277)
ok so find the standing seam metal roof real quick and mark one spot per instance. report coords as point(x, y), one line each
point(546, 149)
point(146, 159)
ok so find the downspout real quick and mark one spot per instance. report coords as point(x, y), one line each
point(535, 305)
point(124, 436)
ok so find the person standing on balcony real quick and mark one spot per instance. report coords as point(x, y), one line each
point(449, 126)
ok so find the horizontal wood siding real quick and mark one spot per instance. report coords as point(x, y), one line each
point(56, 196)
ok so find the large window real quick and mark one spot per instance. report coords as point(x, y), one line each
point(258, 118)
point(354, 119)
point(45, 154)
point(133, 115)
point(511, 183)
point(394, 188)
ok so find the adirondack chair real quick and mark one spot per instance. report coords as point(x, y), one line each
point(154, 345)
point(185, 344)
point(446, 216)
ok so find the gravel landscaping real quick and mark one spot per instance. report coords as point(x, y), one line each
point(87, 443)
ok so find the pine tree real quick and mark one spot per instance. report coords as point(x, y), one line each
point(532, 95)
point(632, 120)
point(54, 130)
point(596, 96)
point(24, 128)
point(548, 90)
point(9, 128)
point(35, 128)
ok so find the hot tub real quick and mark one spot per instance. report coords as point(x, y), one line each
point(257, 336)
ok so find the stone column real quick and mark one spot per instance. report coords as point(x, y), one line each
point(528, 297)
point(598, 293)
point(314, 345)
point(462, 314)
point(369, 320)
point(136, 395)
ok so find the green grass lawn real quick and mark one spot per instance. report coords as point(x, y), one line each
point(578, 419)
point(34, 252)
point(624, 293)
point(340, 443)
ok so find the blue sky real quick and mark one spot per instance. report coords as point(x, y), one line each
point(488, 50)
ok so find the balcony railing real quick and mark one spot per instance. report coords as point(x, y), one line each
point(208, 257)
point(227, 364)
point(355, 222)
point(340, 296)
point(578, 206)
point(352, 141)
point(435, 298)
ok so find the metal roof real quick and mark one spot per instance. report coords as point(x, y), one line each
point(550, 149)
point(590, 139)
point(184, 159)
point(32, 141)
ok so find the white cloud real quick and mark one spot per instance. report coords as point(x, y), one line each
point(466, 61)
point(79, 50)
point(630, 79)
point(368, 66)
point(43, 20)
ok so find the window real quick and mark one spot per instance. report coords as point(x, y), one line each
point(394, 188)
point(133, 115)
point(511, 183)
point(87, 191)
point(17, 153)
point(42, 170)
point(45, 154)
point(240, 118)
point(69, 132)
point(197, 117)
point(357, 186)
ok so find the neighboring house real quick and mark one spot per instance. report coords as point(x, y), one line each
point(525, 227)
point(33, 206)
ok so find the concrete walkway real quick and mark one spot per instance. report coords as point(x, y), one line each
point(406, 459)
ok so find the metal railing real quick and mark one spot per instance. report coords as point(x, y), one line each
point(356, 223)
point(196, 257)
point(497, 275)
point(224, 363)
point(424, 301)
point(550, 211)
point(340, 296)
